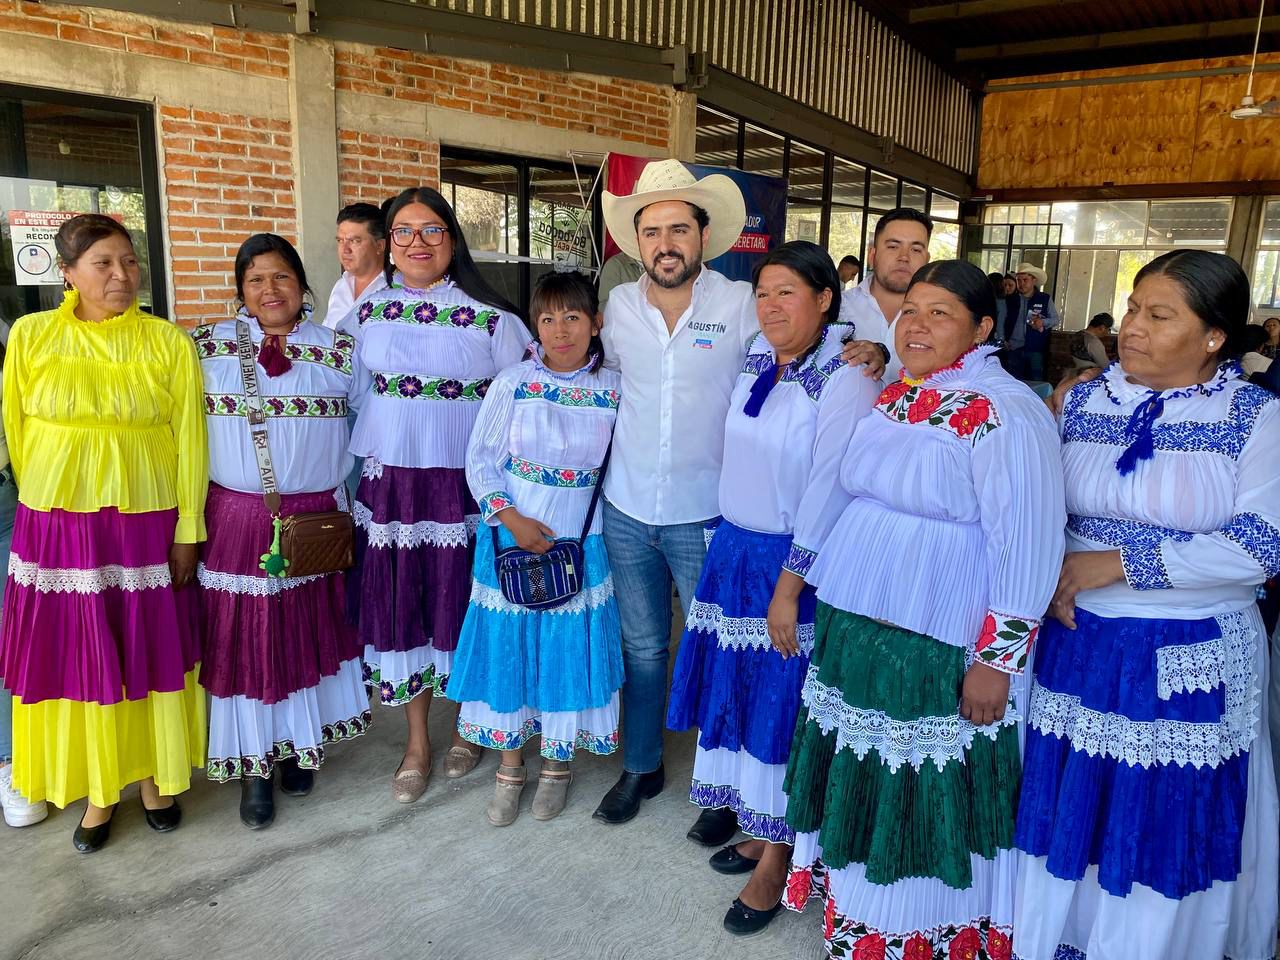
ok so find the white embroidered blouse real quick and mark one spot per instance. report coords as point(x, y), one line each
point(306, 408)
point(946, 514)
point(423, 362)
point(807, 418)
point(1198, 524)
point(539, 442)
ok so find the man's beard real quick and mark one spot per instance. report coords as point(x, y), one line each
point(680, 278)
point(891, 286)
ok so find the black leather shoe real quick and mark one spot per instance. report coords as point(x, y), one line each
point(714, 828)
point(744, 920)
point(622, 802)
point(164, 819)
point(295, 781)
point(92, 839)
point(257, 805)
point(729, 860)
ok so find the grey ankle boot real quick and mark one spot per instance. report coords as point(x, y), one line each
point(505, 805)
point(553, 789)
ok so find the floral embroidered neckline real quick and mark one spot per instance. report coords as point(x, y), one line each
point(1121, 390)
point(978, 352)
point(812, 359)
point(539, 356)
point(398, 283)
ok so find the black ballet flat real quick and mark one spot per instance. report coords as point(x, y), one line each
point(743, 920)
point(165, 819)
point(92, 839)
point(730, 861)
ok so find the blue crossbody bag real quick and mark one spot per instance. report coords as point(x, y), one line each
point(543, 581)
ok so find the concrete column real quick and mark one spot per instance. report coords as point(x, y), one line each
point(684, 126)
point(1246, 224)
point(313, 111)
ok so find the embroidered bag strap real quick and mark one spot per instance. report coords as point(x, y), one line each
point(257, 417)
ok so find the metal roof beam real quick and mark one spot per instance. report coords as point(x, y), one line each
point(1121, 39)
point(979, 8)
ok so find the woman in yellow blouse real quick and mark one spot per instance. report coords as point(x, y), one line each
point(104, 415)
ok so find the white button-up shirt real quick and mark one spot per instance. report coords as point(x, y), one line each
point(669, 439)
point(343, 296)
point(859, 307)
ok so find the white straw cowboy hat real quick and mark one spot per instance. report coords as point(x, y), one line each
point(1040, 277)
point(671, 180)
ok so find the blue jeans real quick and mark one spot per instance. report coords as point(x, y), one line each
point(645, 560)
point(8, 506)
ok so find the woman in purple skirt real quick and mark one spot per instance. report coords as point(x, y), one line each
point(427, 348)
point(280, 658)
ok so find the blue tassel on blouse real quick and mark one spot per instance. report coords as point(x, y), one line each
point(760, 390)
point(1138, 432)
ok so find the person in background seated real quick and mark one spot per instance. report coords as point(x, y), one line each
point(1271, 348)
point(1253, 360)
point(1087, 349)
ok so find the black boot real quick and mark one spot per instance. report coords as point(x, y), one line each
point(295, 781)
point(622, 802)
point(257, 805)
point(714, 828)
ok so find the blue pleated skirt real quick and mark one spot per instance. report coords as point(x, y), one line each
point(1137, 756)
point(728, 681)
point(510, 658)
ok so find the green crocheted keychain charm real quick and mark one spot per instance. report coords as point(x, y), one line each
point(274, 562)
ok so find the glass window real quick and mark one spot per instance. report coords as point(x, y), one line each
point(944, 244)
point(944, 207)
point(1197, 223)
point(560, 216)
point(805, 173)
point(1266, 265)
point(59, 159)
point(1102, 223)
point(846, 233)
point(804, 221)
point(848, 183)
point(483, 195)
point(913, 196)
point(1130, 262)
point(884, 192)
point(716, 142)
point(762, 152)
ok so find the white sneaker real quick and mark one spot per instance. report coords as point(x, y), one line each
point(18, 811)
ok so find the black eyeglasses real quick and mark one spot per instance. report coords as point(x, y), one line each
point(432, 235)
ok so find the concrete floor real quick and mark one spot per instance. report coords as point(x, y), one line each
point(349, 873)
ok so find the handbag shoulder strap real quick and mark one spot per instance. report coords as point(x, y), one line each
point(256, 416)
point(595, 494)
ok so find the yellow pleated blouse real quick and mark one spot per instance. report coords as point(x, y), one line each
point(107, 414)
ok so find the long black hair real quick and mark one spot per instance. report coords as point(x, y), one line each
point(1215, 288)
point(814, 266)
point(567, 291)
point(261, 243)
point(967, 283)
point(462, 269)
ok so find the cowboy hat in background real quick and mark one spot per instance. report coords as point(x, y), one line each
point(1036, 273)
point(663, 180)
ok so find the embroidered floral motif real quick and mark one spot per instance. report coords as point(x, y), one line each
point(757, 363)
point(407, 386)
point(400, 693)
point(235, 405)
point(937, 739)
point(87, 581)
point(222, 769)
point(809, 375)
point(1144, 568)
point(568, 396)
point(1143, 743)
point(491, 503)
point(495, 739)
point(371, 469)
point(1226, 437)
point(966, 414)
point(406, 536)
point(550, 476)
point(979, 939)
point(491, 598)
point(336, 358)
point(1254, 534)
point(1005, 641)
point(426, 313)
point(250, 586)
point(1189, 667)
point(1121, 533)
point(799, 560)
point(762, 826)
point(741, 633)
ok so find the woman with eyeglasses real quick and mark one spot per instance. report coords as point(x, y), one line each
point(427, 348)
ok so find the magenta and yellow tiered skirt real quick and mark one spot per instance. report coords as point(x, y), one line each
point(101, 654)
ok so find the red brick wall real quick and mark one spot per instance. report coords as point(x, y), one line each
point(372, 167)
point(228, 176)
point(623, 109)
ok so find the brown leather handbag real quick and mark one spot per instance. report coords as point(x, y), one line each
point(304, 544)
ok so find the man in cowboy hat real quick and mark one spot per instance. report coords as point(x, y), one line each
point(679, 336)
point(1029, 315)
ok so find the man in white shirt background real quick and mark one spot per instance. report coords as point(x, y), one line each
point(362, 251)
point(900, 247)
point(679, 336)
